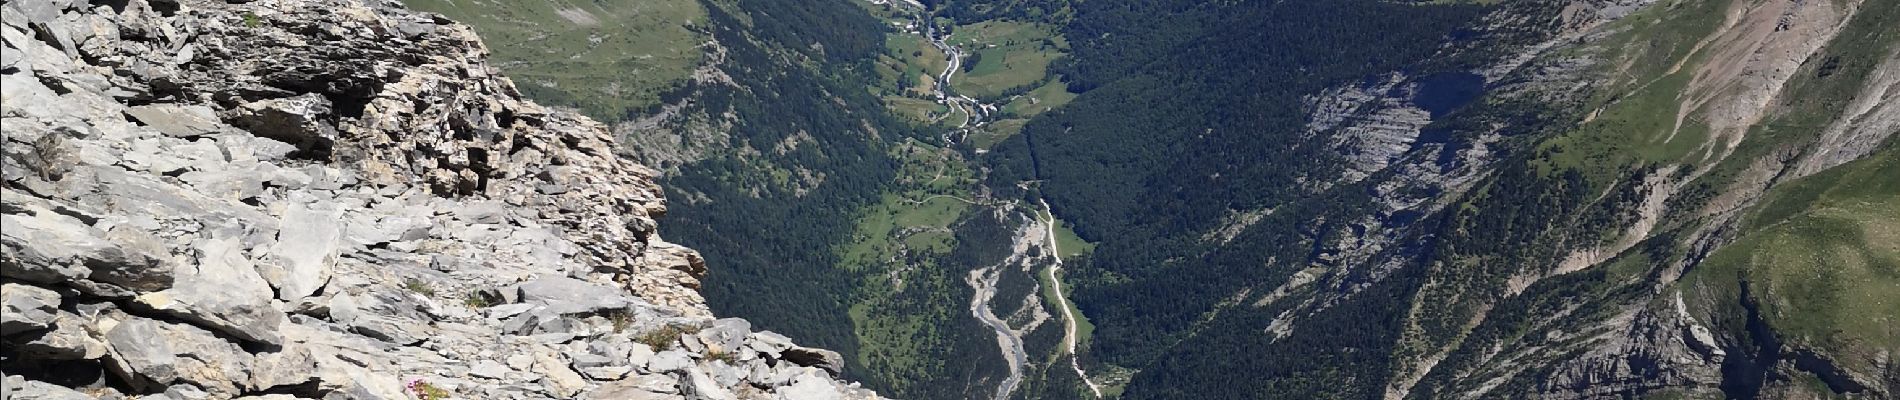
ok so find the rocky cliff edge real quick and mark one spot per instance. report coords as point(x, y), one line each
point(333, 199)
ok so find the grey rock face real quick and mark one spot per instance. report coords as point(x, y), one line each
point(725, 335)
point(628, 391)
point(701, 386)
point(810, 388)
point(26, 308)
point(153, 353)
point(669, 361)
point(306, 121)
point(71, 338)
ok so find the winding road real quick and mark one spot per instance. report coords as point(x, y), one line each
point(984, 280)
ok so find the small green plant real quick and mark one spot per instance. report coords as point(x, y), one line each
point(252, 21)
point(664, 338)
point(418, 286)
point(621, 319)
point(425, 391)
point(730, 357)
point(476, 299)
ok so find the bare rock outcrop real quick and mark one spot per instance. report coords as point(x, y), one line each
point(333, 199)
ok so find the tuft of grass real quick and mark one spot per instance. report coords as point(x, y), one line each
point(1822, 258)
point(251, 20)
point(665, 338)
point(418, 286)
point(730, 357)
point(476, 299)
point(622, 319)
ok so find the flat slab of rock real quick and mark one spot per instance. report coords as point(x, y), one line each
point(300, 120)
point(53, 248)
point(223, 291)
point(20, 388)
point(177, 120)
point(811, 387)
point(564, 295)
point(725, 335)
point(26, 308)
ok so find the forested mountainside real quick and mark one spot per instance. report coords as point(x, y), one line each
point(1573, 231)
point(1273, 199)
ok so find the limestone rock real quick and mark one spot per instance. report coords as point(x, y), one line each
point(26, 308)
point(810, 388)
point(827, 360)
point(669, 361)
point(71, 338)
point(21, 389)
point(306, 121)
point(307, 244)
point(563, 295)
point(628, 391)
point(150, 352)
point(328, 198)
point(177, 120)
point(566, 382)
point(699, 385)
point(53, 248)
point(489, 369)
point(224, 292)
point(725, 335)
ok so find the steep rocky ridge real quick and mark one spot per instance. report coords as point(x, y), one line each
point(336, 199)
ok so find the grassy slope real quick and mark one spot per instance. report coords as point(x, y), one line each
point(603, 57)
point(1821, 254)
point(1010, 54)
point(1816, 253)
point(1634, 129)
point(1822, 257)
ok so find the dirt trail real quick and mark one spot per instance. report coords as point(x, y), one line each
point(1068, 317)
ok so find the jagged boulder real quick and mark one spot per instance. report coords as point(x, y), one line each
point(47, 247)
point(828, 360)
point(155, 354)
point(26, 308)
point(304, 120)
